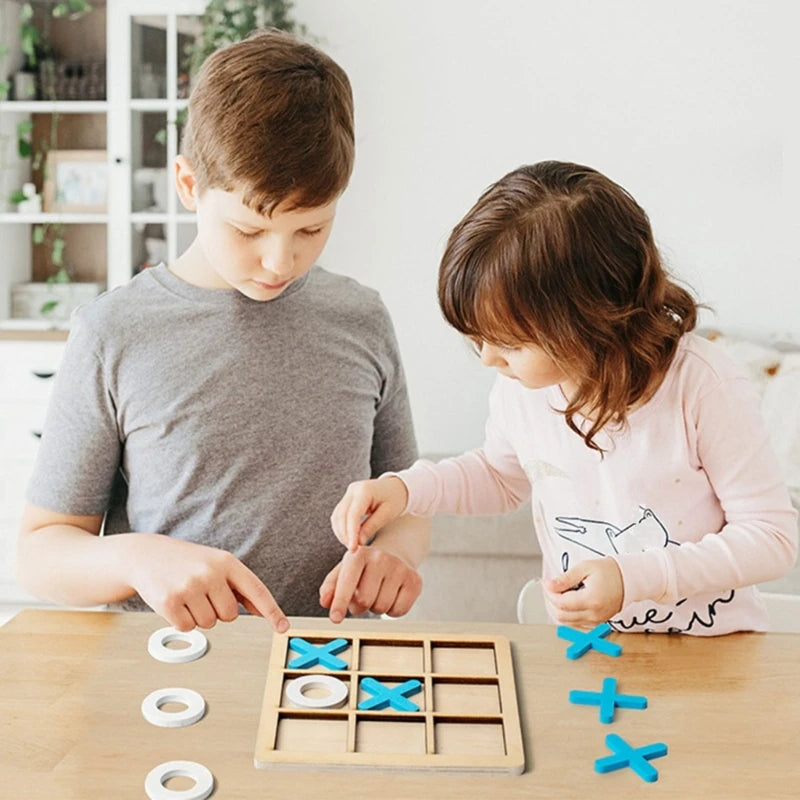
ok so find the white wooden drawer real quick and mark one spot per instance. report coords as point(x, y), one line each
point(21, 426)
point(27, 369)
point(14, 477)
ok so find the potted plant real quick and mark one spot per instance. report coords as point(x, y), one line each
point(54, 299)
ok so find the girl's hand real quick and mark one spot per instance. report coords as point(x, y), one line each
point(365, 508)
point(371, 579)
point(193, 585)
point(587, 594)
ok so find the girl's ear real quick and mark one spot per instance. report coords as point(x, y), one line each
point(185, 183)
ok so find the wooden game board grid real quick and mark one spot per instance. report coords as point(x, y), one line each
point(490, 741)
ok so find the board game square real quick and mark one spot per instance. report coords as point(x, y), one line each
point(391, 659)
point(451, 697)
point(464, 660)
point(324, 696)
point(311, 734)
point(390, 737)
point(417, 697)
point(469, 738)
point(345, 655)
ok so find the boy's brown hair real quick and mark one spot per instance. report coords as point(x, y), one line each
point(557, 255)
point(271, 117)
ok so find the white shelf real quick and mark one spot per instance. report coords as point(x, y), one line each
point(161, 217)
point(54, 106)
point(44, 218)
point(157, 104)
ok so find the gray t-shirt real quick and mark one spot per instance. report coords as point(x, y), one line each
point(207, 416)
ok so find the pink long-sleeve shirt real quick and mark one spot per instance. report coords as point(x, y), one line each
point(688, 499)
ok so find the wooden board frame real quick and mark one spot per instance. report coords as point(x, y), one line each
point(459, 727)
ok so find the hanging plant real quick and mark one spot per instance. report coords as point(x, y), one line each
point(227, 21)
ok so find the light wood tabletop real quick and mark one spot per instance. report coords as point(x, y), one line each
point(71, 726)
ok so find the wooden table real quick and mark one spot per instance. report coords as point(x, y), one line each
point(73, 682)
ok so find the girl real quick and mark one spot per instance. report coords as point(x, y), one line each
point(656, 497)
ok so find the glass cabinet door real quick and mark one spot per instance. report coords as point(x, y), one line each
point(148, 97)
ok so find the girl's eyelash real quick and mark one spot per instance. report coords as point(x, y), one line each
point(312, 232)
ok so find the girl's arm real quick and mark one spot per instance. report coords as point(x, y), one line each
point(489, 480)
point(758, 541)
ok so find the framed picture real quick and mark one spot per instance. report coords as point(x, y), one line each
point(76, 180)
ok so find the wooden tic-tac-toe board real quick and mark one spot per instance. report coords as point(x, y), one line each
point(462, 717)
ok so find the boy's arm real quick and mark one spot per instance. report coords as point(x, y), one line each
point(61, 558)
point(381, 577)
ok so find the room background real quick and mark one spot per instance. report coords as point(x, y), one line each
point(690, 106)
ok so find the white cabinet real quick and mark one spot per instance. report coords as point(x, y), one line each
point(27, 371)
point(136, 129)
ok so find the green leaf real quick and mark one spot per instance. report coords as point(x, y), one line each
point(58, 258)
point(5, 86)
point(26, 12)
point(48, 307)
point(24, 148)
point(17, 196)
point(60, 10)
point(62, 276)
point(161, 136)
point(24, 127)
point(38, 234)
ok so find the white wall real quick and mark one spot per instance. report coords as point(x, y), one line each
point(691, 105)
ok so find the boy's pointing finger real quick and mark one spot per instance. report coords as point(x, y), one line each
point(248, 586)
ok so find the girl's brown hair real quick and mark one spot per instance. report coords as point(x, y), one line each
point(271, 117)
point(556, 254)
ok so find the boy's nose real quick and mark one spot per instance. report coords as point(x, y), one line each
point(278, 259)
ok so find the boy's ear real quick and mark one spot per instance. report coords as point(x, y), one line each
point(185, 183)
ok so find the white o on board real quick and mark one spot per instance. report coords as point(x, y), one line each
point(335, 691)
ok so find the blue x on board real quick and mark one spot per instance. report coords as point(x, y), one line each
point(593, 640)
point(312, 654)
point(608, 699)
point(383, 696)
point(627, 756)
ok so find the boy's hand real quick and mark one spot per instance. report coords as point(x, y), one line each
point(587, 594)
point(371, 579)
point(380, 501)
point(193, 585)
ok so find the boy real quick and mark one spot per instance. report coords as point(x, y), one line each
point(212, 411)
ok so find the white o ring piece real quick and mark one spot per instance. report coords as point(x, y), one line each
point(195, 708)
point(156, 645)
point(158, 776)
point(335, 697)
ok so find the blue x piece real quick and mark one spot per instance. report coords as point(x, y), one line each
point(591, 640)
point(627, 756)
point(608, 699)
point(312, 654)
point(383, 696)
